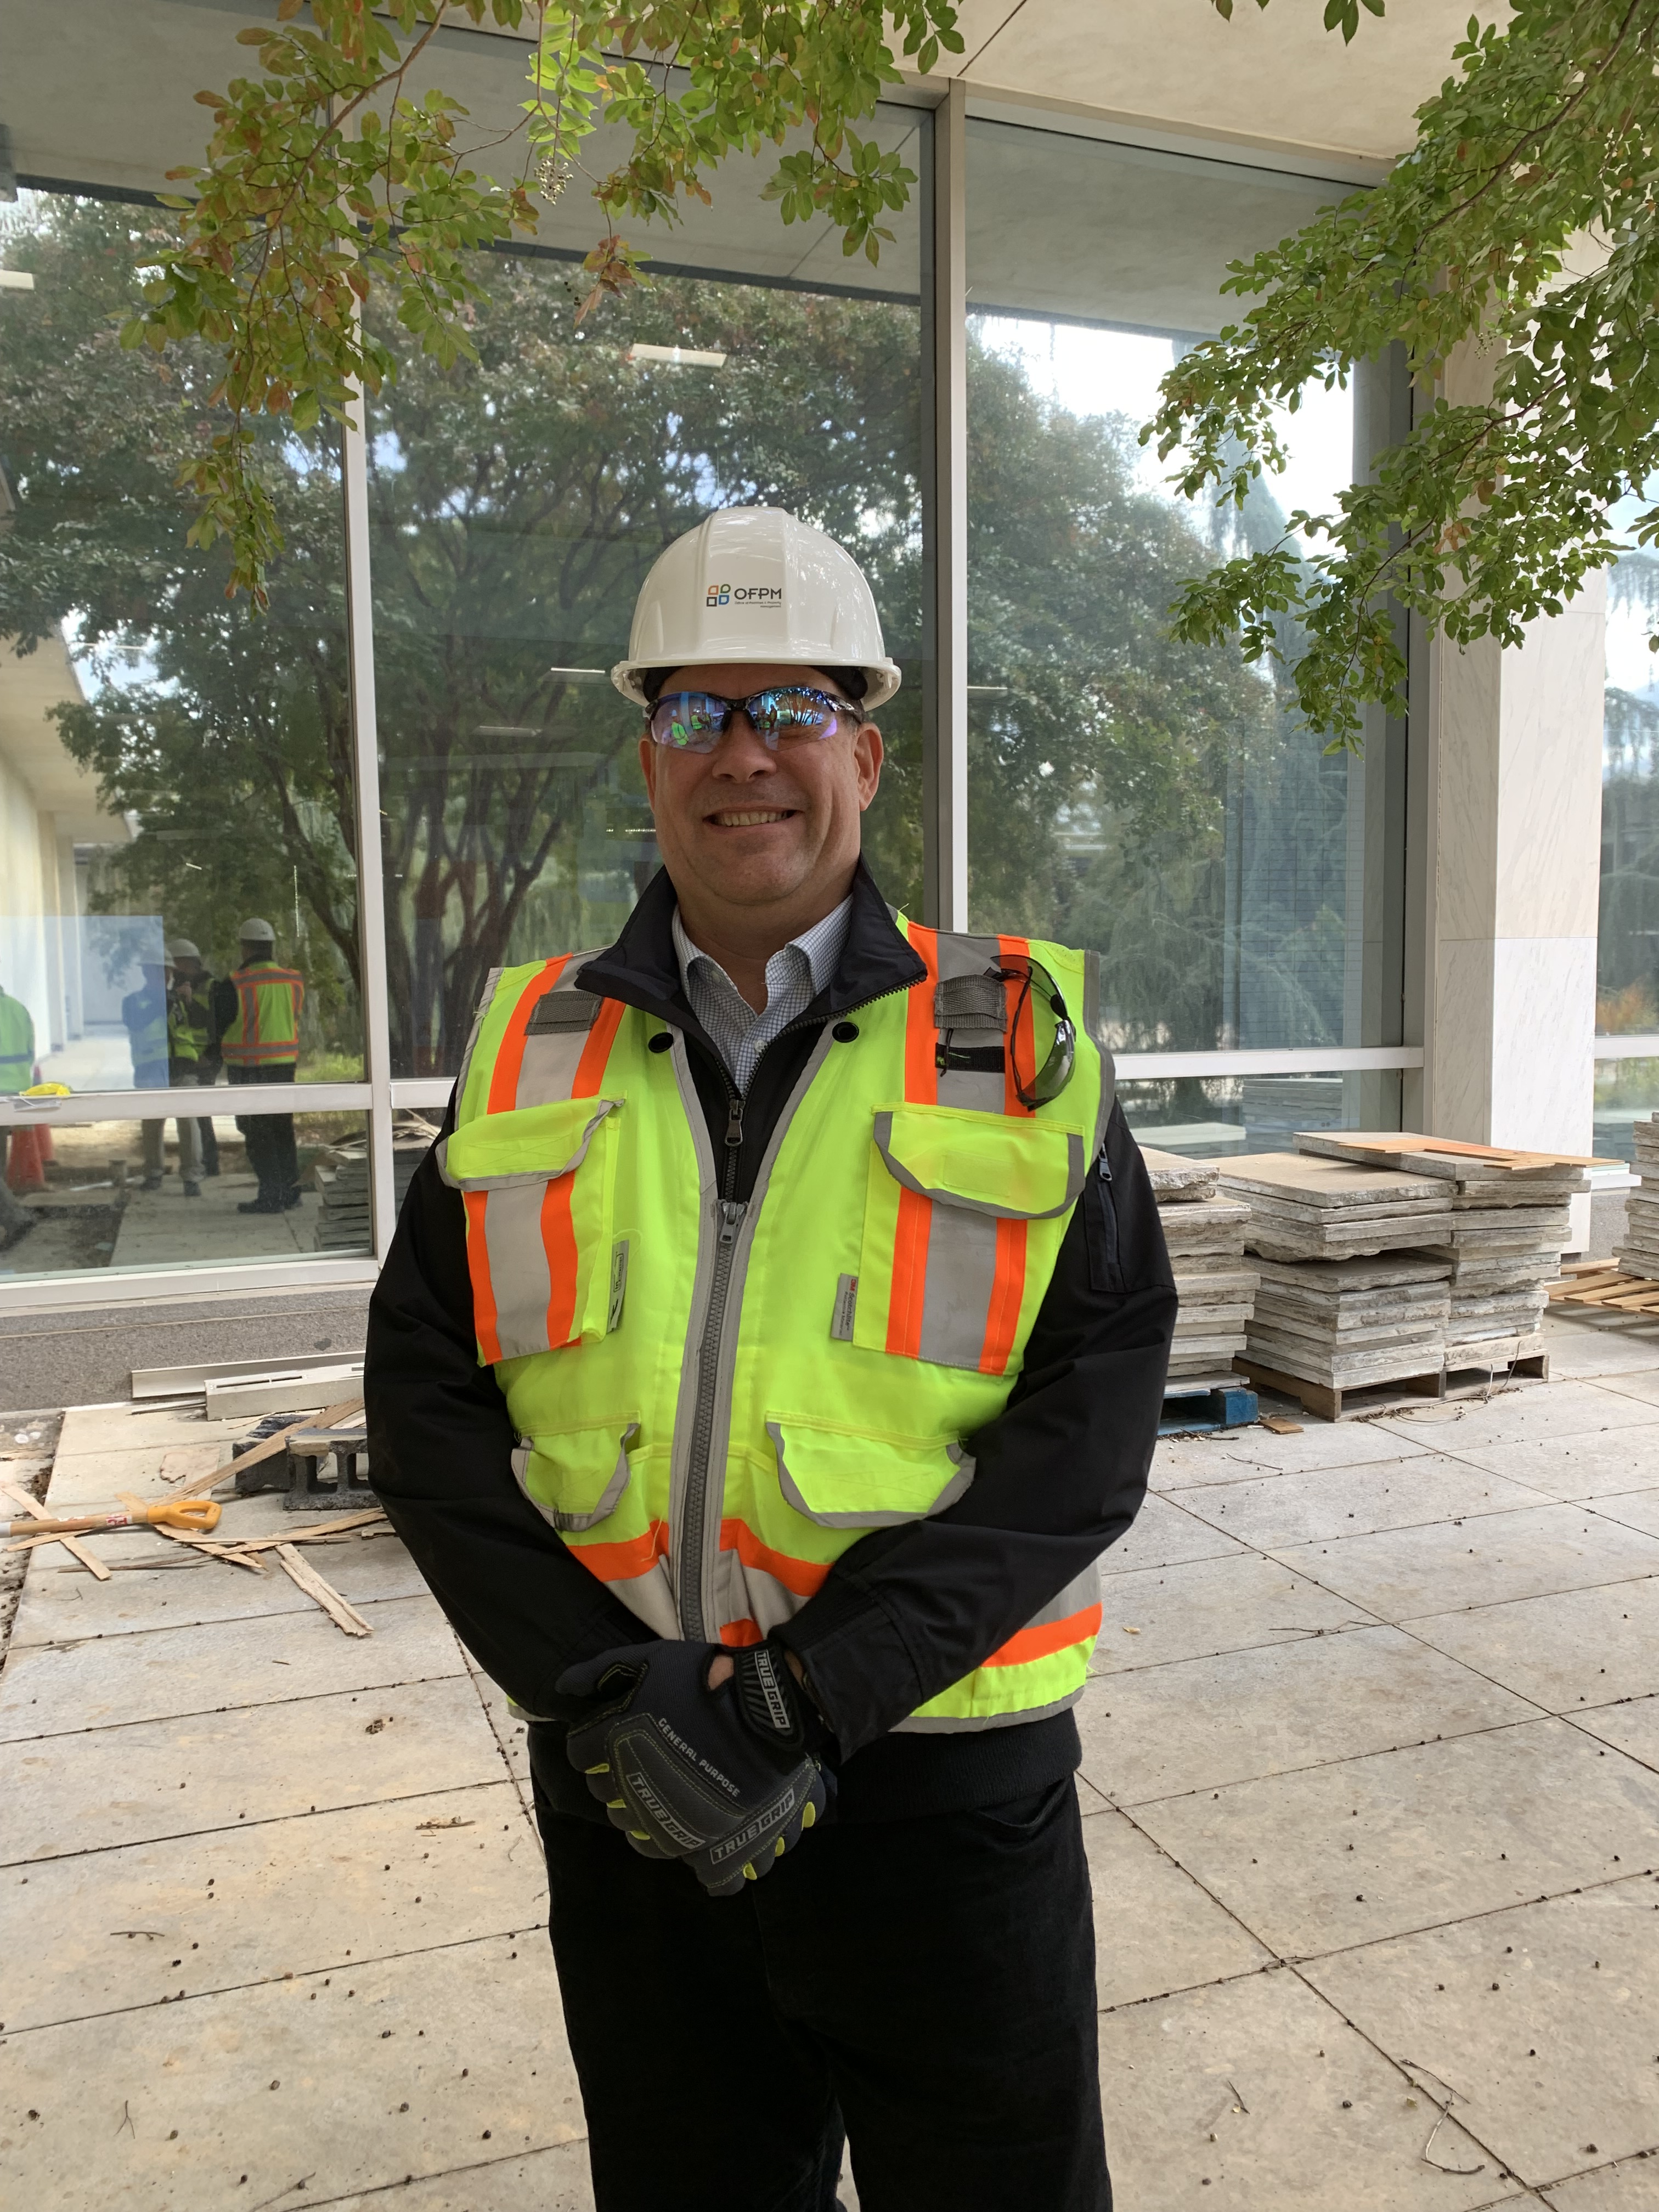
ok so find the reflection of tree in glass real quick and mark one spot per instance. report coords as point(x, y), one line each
point(1149, 799)
point(517, 505)
point(227, 734)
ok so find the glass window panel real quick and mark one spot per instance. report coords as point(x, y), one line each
point(172, 763)
point(1627, 947)
point(517, 503)
point(113, 1194)
point(1149, 800)
point(1218, 1117)
point(1626, 1092)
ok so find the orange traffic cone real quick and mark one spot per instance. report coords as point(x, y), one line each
point(43, 1145)
point(24, 1170)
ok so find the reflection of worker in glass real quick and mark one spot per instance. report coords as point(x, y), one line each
point(144, 1016)
point(192, 990)
point(17, 1055)
point(261, 1044)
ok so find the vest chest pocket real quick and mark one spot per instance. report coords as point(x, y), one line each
point(538, 1186)
point(963, 1214)
point(576, 1476)
point(847, 1478)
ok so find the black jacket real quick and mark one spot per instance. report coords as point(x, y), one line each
point(1060, 1474)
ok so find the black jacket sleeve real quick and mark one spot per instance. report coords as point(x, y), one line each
point(1060, 1475)
point(440, 1446)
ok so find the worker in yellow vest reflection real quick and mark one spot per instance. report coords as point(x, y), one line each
point(261, 1044)
point(17, 1055)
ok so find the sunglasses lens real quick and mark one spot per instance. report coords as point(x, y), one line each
point(792, 712)
point(689, 721)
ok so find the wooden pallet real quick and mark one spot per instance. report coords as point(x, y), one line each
point(1603, 1284)
point(1329, 1404)
point(1535, 1367)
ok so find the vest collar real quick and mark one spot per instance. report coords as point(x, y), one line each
point(640, 968)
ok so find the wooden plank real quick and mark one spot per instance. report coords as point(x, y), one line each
point(315, 1532)
point(72, 1545)
point(301, 1571)
point(229, 1553)
point(1583, 1267)
point(268, 1447)
point(1624, 1288)
point(1498, 1156)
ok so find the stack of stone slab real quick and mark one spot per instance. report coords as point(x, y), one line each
point(1510, 1221)
point(1349, 1296)
point(1638, 1252)
point(344, 1223)
point(1216, 1285)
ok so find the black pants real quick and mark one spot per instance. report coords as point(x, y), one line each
point(926, 1987)
point(207, 1077)
point(269, 1137)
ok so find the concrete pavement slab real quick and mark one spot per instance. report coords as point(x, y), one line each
point(555, 2180)
point(1633, 1509)
point(1315, 1504)
point(50, 1689)
point(1518, 1413)
point(1631, 2185)
point(1582, 1345)
point(1208, 1606)
point(1155, 1930)
point(108, 1930)
point(1258, 2087)
point(64, 1794)
point(1633, 1726)
point(1544, 2019)
point(1573, 1467)
point(1342, 1854)
point(1202, 1723)
point(1489, 1559)
point(1641, 1383)
point(1243, 1454)
point(63, 1604)
point(353, 2080)
point(1163, 1535)
point(1576, 1647)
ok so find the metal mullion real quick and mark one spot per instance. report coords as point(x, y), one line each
point(945, 759)
point(187, 1103)
point(371, 886)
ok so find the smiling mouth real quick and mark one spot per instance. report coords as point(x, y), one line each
point(751, 817)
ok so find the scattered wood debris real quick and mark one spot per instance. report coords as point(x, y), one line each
point(72, 1545)
point(300, 1571)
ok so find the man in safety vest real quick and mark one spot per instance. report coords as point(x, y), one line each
point(770, 1346)
point(16, 1056)
point(261, 1044)
point(144, 1016)
point(193, 991)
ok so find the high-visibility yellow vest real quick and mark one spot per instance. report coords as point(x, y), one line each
point(16, 1045)
point(714, 1400)
point(266, 1023)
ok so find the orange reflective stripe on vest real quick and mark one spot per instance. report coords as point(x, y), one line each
point(266, 1027)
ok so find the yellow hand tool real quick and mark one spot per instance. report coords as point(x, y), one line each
point(198, 1517)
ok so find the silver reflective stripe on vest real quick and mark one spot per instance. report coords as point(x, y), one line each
point(1093, 1023)
point(1076, 1168)
point(870, 1519)
point(519, 1270)
point(1081, 1592)
point(555, 1037)
point(963, 961)
point(523, 1176)
point(970, 1724)
point(962, 1273)
point(484, 1003)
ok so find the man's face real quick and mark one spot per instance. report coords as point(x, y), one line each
point(252, 951)
point(187, 969)
point(752, 827)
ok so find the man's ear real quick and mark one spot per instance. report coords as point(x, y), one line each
point(868, 752)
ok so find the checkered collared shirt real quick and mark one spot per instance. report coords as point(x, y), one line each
point(794, 975)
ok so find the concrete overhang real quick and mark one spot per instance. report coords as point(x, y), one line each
point(31, 685)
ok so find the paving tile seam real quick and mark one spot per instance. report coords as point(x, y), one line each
point(445, 2173)
point(1282, 1639)
point(273, 1981)
point(1503, 2169)
point(1318, 1765)
point(1584, 1712)
point(1463, 1919)
point(209, 1712)
point(1604, 2165)
point(246, 1828)
point(1571, 1590)
point(231, 1620)
point(1186, 1989)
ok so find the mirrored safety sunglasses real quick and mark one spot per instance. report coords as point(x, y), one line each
point(695, 721)
point(1056, 1072)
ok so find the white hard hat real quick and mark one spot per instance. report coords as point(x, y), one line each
point(182, 948)
point(753, 584)
point(255, 932)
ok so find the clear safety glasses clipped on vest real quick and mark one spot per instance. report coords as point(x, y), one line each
point(969, 1004)
point(695, 721)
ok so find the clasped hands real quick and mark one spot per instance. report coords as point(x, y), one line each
point(700, 1754)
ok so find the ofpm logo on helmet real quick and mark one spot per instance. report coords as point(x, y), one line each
point(745, 595)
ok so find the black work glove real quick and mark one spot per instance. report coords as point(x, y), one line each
point(720, 1778)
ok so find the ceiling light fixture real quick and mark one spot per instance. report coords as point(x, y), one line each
point(675, 356)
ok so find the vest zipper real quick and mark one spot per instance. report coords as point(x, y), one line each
point(690, 1549)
